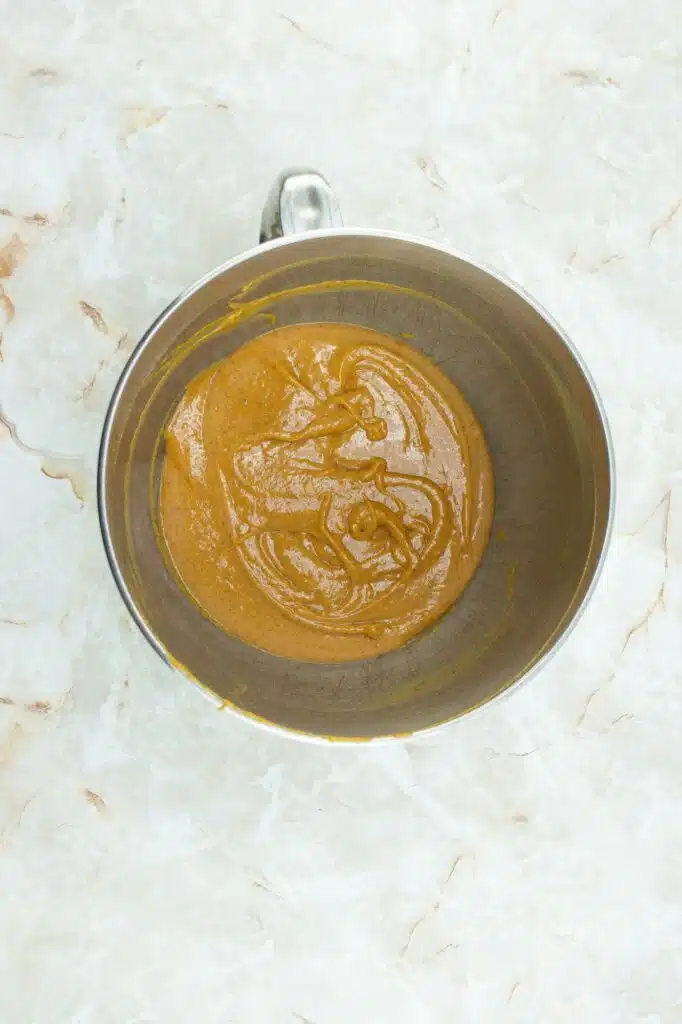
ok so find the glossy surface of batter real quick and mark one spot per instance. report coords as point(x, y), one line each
point(326, 492)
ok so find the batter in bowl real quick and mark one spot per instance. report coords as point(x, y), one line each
point(326, 492)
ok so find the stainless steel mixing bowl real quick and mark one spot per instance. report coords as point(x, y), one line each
point(544, 424)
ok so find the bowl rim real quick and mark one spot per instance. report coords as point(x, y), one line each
point(564, 630)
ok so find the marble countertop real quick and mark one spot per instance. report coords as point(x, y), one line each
point(162, 862)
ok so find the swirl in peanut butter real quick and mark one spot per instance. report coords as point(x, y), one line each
point(326, 492)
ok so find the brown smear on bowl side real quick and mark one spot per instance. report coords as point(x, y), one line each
point(326, 492)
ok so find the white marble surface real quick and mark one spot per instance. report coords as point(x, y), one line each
point(162, 862)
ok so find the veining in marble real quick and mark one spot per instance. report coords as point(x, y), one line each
point(163, 862)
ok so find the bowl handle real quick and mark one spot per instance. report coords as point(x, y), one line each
point(299, 200)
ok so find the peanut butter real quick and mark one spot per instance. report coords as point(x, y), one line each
point(326, 492)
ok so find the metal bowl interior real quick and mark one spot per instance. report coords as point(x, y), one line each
point(547, 437)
